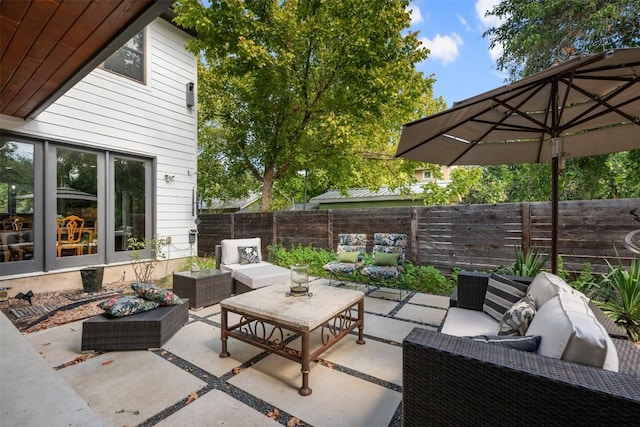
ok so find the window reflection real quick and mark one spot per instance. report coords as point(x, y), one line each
point(77, 203)
point(16, 201)
point(129, 203)
point(129, 59)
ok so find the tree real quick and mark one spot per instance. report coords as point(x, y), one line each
point(321, 86)
point(536, 35)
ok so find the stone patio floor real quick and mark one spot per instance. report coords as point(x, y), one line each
point(186, 383)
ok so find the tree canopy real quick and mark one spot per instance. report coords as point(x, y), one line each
point(315, 86)
point(534, 36)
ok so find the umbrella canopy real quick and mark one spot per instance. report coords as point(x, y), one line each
point(66, 193)
point(584, 107)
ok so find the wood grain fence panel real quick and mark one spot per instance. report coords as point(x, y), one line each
point(475, 237)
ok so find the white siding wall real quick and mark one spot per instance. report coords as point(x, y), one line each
point(108, 111)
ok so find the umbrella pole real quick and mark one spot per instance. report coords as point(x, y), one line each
point(554, 208)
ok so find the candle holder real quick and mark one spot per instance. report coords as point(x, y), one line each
point(299, 281)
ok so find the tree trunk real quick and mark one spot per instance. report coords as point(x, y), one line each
point(267, 189)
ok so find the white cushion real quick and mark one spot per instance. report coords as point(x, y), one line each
point(462, 322)
point(570, 331)
point(611, 361)
point(230, 249)
point(262, 275)
point(233, 267)
point(546, 286)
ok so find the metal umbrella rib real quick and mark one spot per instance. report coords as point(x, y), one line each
point(590, 104)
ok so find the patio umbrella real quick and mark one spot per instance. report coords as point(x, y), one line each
point(584, 107)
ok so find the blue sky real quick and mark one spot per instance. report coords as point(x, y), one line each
point(460, 59)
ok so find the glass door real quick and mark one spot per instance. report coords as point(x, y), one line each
point(77, 212)
point(19, 224)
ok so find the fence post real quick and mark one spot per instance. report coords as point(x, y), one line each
point(330, 229)
point(274, 228)
point(526, 226)
point(414, 235)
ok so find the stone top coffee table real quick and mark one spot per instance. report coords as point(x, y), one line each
point(265, 312)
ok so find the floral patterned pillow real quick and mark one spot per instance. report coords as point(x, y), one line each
point(126, 305)
point(516, 320)
point(154, 293)
point(248, 254)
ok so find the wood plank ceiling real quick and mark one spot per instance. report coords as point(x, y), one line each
point(46, 46)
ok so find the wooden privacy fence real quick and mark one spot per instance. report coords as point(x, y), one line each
point(472, 237)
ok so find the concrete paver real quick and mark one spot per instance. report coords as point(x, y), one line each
point(30, 393)
point(126, 388)
point(200, 344)
point(217, 408)
point(338, 399)
point(431, 316)
point(432, 300)
point(358, 385)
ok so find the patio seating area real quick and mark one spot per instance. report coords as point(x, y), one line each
point(353, 385)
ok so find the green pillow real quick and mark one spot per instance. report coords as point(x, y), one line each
point(386, 259)
point(348, 256)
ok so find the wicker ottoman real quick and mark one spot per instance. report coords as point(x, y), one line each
point(141, 331)
point(204, 288)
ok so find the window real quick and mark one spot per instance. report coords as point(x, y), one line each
point(129, 59)
point(426, 175)
point(16, 202)
point(65, 207)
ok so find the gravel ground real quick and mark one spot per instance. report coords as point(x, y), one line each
point(60, 306)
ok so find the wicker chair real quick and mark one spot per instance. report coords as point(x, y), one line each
point(349, 246)
point(449, 380)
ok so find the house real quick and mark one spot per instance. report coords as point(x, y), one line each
point(382, 197)
point(98, 121)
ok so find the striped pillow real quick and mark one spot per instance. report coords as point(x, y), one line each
point(501, 294)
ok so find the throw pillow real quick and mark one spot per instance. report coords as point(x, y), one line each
point(350, 257)
point(528, 343)
point(386, 259)
point(248, 254)
point(501, 294)
point(154, 293)
point(125, 305)
point(516, 320)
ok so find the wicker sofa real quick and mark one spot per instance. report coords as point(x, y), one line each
point(453, 380)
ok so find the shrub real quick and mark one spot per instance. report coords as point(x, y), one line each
point(316, 258)
point(425, 279)
point(622, 303)
point(527, 264)
point(204, 263)
point(143, 268)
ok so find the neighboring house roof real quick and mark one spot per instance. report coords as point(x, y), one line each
point(49, 46)
point(232, 205)
point(357, 195)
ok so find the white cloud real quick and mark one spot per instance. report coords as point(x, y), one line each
point(496, 52)
point(482, 6)
point(443, 48)
point(463, 22)
point(416, 15)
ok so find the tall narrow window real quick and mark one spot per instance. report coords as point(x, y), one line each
point(77, 203)
point(16, 201)
point(129, 202)
point(129, 59)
